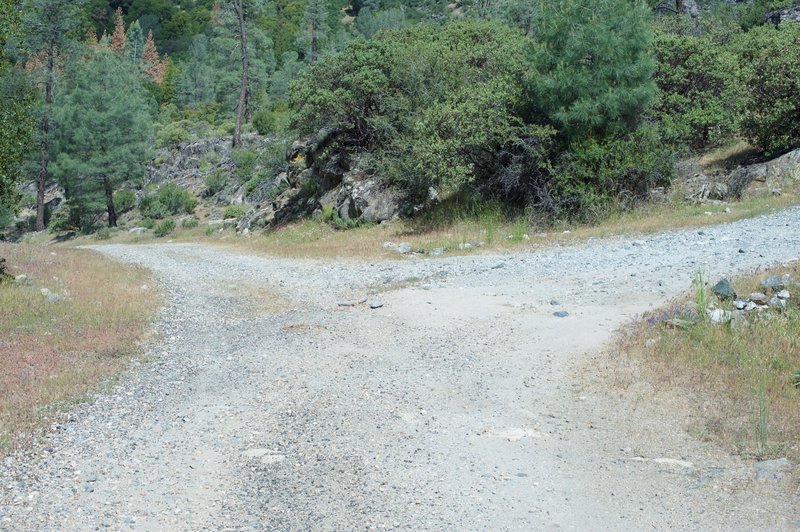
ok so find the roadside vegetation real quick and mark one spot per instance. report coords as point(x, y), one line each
point(67, 328)
point(743, 376)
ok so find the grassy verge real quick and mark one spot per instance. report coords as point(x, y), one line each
point(72, 325)
point(744, 377)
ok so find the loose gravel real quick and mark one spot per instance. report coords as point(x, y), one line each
point(417, 394)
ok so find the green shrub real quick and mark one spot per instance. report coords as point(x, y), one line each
point(170, 199)
point(148, 223)
point(701, 96)
point(104, 233)
point(215, 182)
point(264, 122)
point(190, 223)
point(151, 207)
point(235, 211)
point(164, 228)
point(771, 75)
point(245, 161)
point(752, 13)
point(124, 200)
point(189, 205)
point(172, 134)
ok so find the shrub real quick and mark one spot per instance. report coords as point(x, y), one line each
point(215, 182)
point(170, 199)
point(172, 134)
point(190, 223)
point(104, 233)
point(235, 211)
point(245, 161)
point(164, 228)
point(189, 204)
point(701, 94)
point(151, 207)
point(771, 75)
point(264, 122)
point(124, 200)
point(148, 223)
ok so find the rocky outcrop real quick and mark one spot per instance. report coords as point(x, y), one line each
point(790, 14)
point(773, 173)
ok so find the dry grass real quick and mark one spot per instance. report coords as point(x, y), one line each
point(54, 352)
point(742, 379)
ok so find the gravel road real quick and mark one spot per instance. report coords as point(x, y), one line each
point(459, 403)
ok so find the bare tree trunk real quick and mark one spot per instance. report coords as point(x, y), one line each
point(44, 155)
point(112, 212)
point(679, 7)
point(314, 42)
point(244, 93)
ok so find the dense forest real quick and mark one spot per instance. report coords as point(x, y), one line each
point(559, 106)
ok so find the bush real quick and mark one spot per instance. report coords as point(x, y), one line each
point(771, 75)
point(172, 134)
point(124, 200)
point(104, 233)
point(190, 223)
point(148, 223)
point(189, 205)
point(245, 161)
point(170, 199)
point(235, 211)
point(151, 207)
point(215, 182)
point(701, 93)
point(164, 228)
point(264, 122)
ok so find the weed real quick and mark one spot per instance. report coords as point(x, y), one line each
point(190, 223)
point(700, 294)
point(164, 228)
point(235, 211)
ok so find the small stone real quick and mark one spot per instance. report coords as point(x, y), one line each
point(719, 316)
point(464, 245)
point(561, 314)
point(774, 283)
point(758, 298)
point(773, 469)
point(435, 252)
point(404, 248)
point(44, 292)
point(88, 488)
point(138, 230)
point(740, 304)
point(555, 302)
point(750, 306)
point(724, 290)
point(650, 342)
point(777, 303)
point(783, 294)
point(375, 305)
point(21, 278)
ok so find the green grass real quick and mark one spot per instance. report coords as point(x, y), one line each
point(743, 373)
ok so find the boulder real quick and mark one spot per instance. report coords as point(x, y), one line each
point(782, 169)
point(790, 14)
point(724, 290)
point(758, 298)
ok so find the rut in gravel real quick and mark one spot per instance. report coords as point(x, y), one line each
point(461, 402)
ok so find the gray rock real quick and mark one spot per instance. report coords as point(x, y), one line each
point(718, 316)
point(138, 230)
point(561, 314)
point(758, 298)
point(53, 297)
point(750, 306)
point(555, 302)
point(774, 283)
point(376, 305)
point(777, 303)
point(724, 290)
point(21, 279)
point(773, 469)
point(404, 248)
point(740, 304)
point(783, 294)
point(435, 252)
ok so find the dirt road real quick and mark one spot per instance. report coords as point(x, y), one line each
point(460, 402)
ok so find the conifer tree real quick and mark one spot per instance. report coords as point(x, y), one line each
point(593, 70)
point(154, 65)
point(118, 39)
point(135, 40)
point(50, 26)
point(103, 137)
point(313, 30)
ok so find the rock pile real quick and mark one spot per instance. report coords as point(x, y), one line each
point(774, 297)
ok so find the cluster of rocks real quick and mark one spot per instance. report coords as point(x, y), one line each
point(774, 297)
point(732, 185)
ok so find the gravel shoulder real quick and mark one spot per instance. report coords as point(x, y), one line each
point(460, 402)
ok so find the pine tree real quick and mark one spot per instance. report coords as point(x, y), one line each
point(103, 138)
point(135, 40)
point(51, 25)
point(314, 30)
point(593, 70)
point(118, 40)
point(154, 65)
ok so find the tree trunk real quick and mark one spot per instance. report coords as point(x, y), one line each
point(44, 156)
point(314, 42)
point(679, 7)
point(244, 92)
point(112, 213)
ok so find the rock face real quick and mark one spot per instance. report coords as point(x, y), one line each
point(773, 173)
point(790, 14)
point(339, 184)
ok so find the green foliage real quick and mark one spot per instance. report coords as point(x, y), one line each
point(164, 228)
point(170, 199)
point(752, 13)
point(104, 233)
point(264, 122)
point(190, 223)
point(235, 211)
point(592, 71)
point(102, 139)
point(16, 129)
point(148, 223)
point(701, 98)
point(215, 182)
point(245, 160)
point(771, 76)
point(597, 172)
point(173, 134)
point(124, 200)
